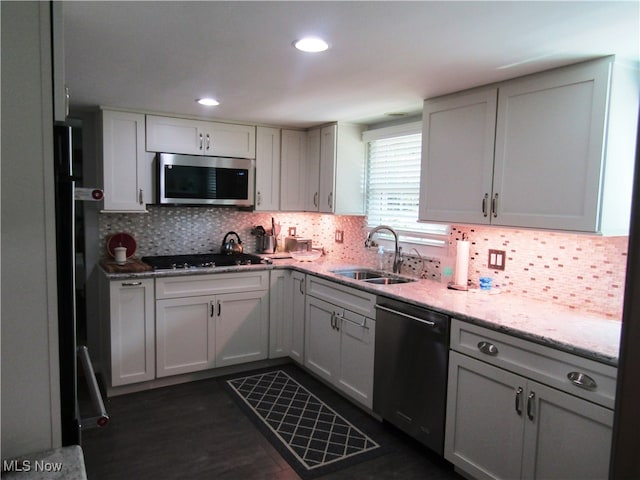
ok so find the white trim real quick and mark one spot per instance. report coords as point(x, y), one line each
point(393, 131)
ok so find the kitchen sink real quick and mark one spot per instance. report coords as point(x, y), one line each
point(389, 280)
point(372, 276)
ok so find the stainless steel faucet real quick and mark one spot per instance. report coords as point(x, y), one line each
point(397, 256)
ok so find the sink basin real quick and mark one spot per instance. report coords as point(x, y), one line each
point(389, 280)
point(359, 274)
point(372, 276)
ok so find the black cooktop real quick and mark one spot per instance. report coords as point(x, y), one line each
point(200, 260)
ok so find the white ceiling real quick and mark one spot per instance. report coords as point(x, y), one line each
point(384, 57)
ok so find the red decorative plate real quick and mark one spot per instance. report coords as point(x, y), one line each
point(121, 239)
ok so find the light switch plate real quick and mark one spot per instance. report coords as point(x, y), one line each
point(339, 236)
point(496, 259)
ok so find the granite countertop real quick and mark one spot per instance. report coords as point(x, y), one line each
point(566, 329)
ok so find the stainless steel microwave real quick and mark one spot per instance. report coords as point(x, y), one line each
point(199, 180)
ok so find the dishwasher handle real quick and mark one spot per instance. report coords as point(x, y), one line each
point(406, 315)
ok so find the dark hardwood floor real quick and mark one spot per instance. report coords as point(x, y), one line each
point(196, 430)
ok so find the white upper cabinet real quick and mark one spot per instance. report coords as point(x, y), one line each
point(341, 169)
point(312, 167)
point(562, 157)
point(267, 169)
point(293, 174)
point(328, 144)
point(195, 137)
point(126, 168)
point(457, 168)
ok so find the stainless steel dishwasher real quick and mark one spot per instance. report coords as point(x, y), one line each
point(411, 363)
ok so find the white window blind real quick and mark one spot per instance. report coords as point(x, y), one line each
point(393, 185)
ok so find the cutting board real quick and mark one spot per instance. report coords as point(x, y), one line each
point(133, 265)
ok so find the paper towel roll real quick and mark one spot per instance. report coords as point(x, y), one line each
point(462, 263)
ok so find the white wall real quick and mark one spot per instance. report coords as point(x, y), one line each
point(30, 383)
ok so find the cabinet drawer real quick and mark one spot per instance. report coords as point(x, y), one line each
point(544, 364)
point(346, 297)
point(196, 285)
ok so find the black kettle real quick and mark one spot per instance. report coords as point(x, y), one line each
point(231, 246)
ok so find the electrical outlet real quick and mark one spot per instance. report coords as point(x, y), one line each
point(496, 259)
point(339, 236)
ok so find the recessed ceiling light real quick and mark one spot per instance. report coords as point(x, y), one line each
point(209, 102)
point(311, 45)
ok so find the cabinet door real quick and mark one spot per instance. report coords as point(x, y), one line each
point(322, 340)
point(185, 335)
point(229, 140)
point(293, 172)
point(328, 138)
point(484, 421)
point(125, 175)
point(296, 303)
point(312, 170)
point(565, 437)
point(267, 169)
point(349, 175)
point(457, 157)
point(132, 331)
point(174, 135)
point(279, 314)
point(549, 146)
point(241, 327)
point(357, 339)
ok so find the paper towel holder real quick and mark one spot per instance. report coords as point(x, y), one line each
point(460, 286)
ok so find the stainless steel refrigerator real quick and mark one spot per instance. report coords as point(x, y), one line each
point(75, 362)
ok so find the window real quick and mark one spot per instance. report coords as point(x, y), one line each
point(393, 184)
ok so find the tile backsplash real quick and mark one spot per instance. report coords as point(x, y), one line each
point(184, 230)
point(583, 272)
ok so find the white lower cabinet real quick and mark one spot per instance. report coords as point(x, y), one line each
point(242, 328)
point(505, 425)
point(295, 300)
point(131, 331)
point(185, 335)
point(339, 343)
point(197, 332)
point(286, 315)
point(279, 321)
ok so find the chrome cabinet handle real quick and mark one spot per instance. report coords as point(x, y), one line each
point(140, 200)
point(333, 320)
point(530, 401)
point(201, 141)
point(582, 380)
point(338, 320)
point(301, 290)
point(330, 200)
point(219, 307)
point(131, 284)
point(488, 348)
point(258, 198)
point(519, 400)
point(208, 141)
point(484, 204)
point(494, 205)
point(315, 199)
point(211, 309)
